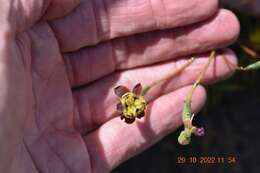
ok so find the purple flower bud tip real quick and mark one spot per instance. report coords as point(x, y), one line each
point(199, 131)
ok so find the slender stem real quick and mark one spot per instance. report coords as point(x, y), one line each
point(248, 50)
point(252, 54)
point(201, 75)
point(148, 87)
point(250, 67)
point(187, 116)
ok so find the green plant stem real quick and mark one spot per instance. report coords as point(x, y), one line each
point(187, 117)
point(200, 77)
point(250, 67)
point(148, 87)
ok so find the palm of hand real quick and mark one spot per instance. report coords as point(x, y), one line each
point(46, 100)
point(58, 127)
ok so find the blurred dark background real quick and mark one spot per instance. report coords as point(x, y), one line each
point(231, 117)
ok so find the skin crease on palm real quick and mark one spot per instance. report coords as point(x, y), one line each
point(61, 59)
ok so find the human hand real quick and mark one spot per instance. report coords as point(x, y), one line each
point(61, 60)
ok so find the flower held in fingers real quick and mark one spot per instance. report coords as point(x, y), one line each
point(132, 104)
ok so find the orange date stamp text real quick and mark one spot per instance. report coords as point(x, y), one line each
point(206, 160)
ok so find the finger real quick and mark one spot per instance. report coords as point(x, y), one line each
point(100, 20)
point(149, 48)
point(115, 142)
point(96, 103)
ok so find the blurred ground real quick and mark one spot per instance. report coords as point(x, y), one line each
point(232, 120)
point(251, 7)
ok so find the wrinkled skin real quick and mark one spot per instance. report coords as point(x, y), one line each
point(61, 59)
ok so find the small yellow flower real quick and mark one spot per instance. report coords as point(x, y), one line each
point(132, 104)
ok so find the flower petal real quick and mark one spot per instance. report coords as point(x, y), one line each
point(121, 90)
point(129, 120)
point(199, 131)
point(140, 115)
point(119, 107)
point(137, 89)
